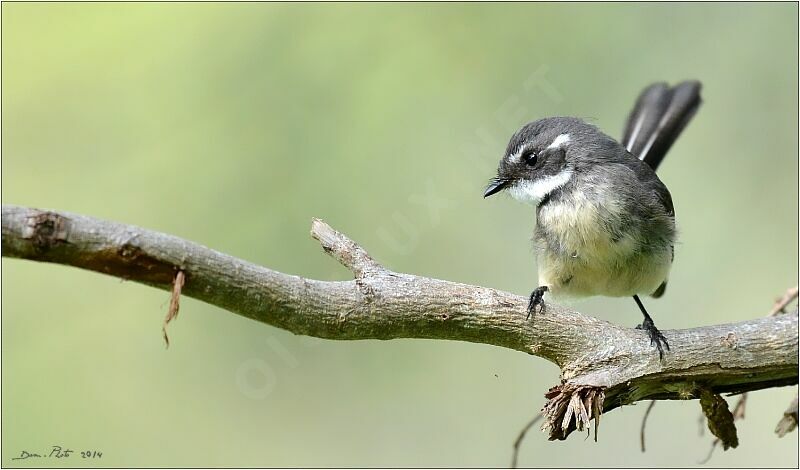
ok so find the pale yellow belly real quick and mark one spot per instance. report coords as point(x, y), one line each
point(573, 278)
point(580, 259)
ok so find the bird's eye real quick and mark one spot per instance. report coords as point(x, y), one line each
point(529, 157)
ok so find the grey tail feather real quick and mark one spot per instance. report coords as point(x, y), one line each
point(658, 118)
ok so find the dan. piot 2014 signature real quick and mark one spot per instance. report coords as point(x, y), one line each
point(58, 452)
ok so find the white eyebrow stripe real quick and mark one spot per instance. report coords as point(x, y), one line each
point(515, 156)
point(559, 141)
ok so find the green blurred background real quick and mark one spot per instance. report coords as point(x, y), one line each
point(233, 125)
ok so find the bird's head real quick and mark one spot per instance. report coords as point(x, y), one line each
point(538, 158)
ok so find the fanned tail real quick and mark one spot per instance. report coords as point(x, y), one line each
point(658, 118)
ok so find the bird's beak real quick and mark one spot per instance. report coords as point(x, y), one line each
point(495, 186)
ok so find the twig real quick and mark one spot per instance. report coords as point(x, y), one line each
point(783, 302)
point(344, 250)
point(521, 436)
point(644, 423)
point(714, 444)
point(701, 424)
point(788, 423)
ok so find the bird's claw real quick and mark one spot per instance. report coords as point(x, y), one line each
point(536, 299)
point(656, 338)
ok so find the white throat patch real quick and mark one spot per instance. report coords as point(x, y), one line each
point(534, 191)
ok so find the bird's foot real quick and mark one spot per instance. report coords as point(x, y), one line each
point(656, 338)
point(536, 299)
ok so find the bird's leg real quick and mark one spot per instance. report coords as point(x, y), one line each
point(647, 325)
point(537, 298)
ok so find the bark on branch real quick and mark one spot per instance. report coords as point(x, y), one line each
point(603, 366)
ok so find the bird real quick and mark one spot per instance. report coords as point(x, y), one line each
point(605, 222)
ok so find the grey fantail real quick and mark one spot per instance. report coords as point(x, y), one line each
point(605, 224)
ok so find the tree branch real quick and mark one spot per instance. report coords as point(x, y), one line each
point(603, 366)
